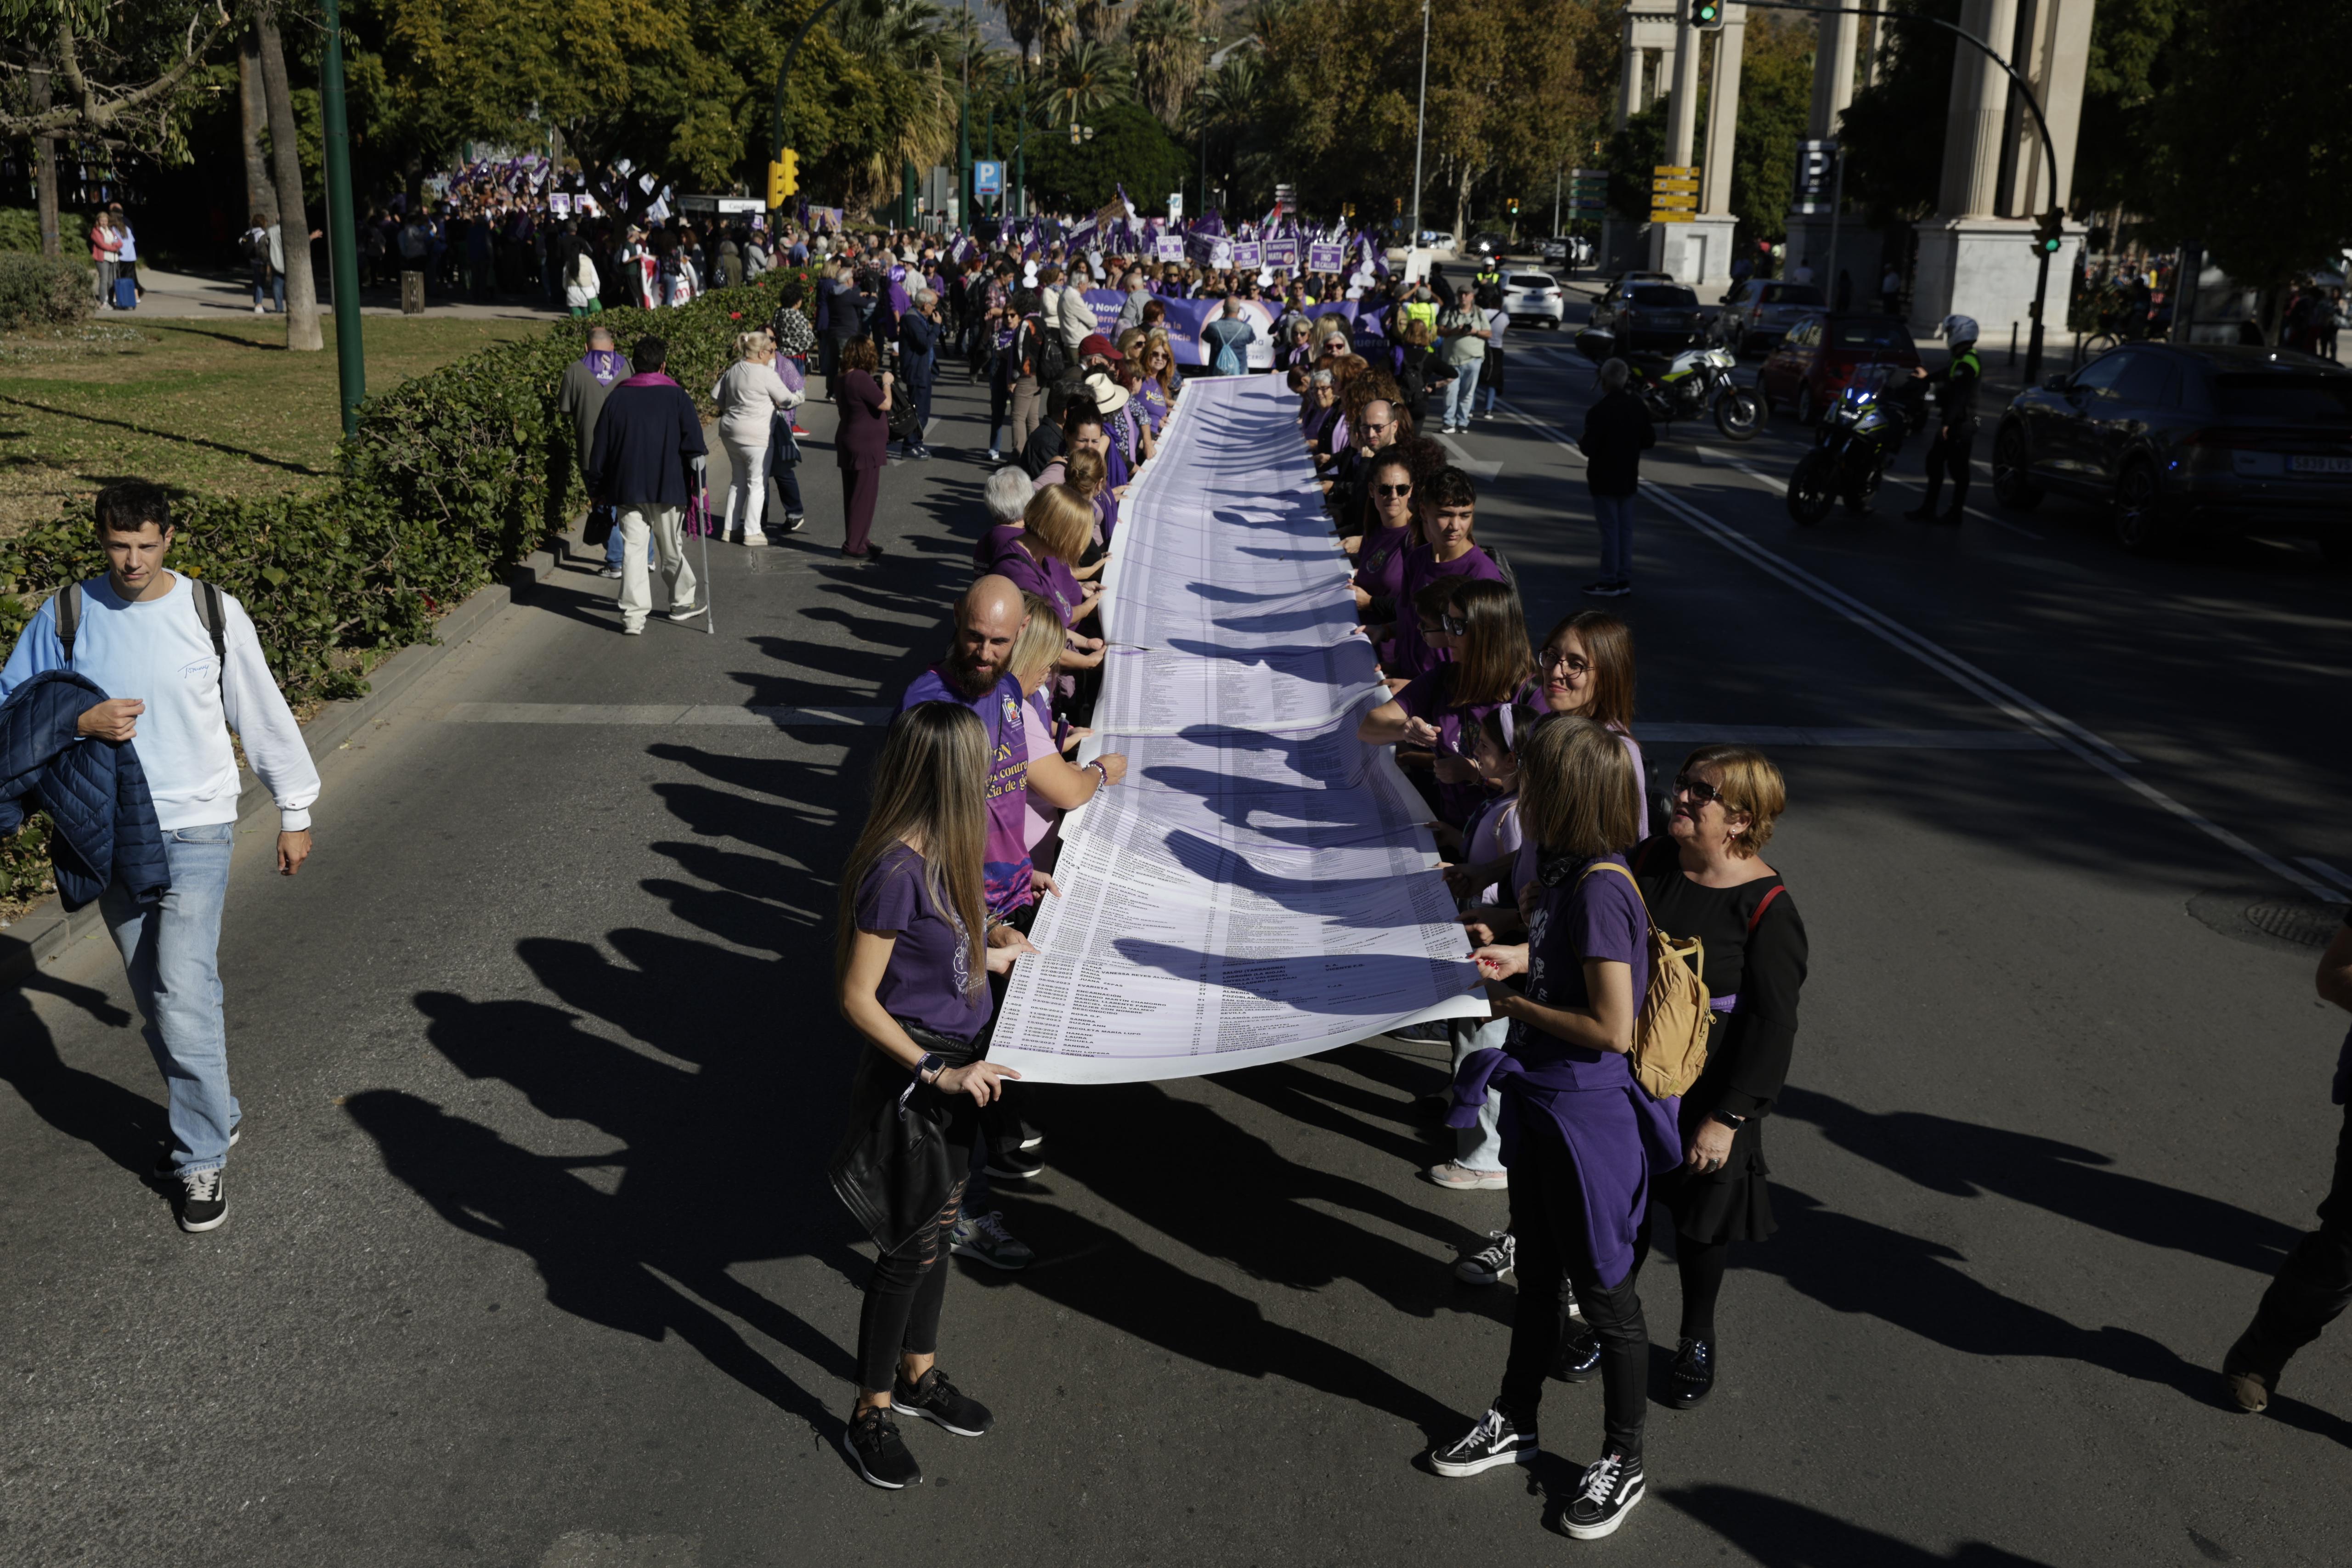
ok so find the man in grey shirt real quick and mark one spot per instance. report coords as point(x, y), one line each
point(1464, 330)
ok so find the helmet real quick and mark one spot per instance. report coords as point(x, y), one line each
point(1960, 330)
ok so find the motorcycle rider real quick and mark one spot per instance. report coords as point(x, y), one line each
point(1956, 420)
point(1487, 287)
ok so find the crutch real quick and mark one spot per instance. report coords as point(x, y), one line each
point(702, 497)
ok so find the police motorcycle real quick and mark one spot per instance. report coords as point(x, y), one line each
point(1857, 434)
point(1692, 384)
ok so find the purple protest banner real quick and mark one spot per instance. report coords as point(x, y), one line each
point(1246, 255)
point(1325, 256)
point(1283, 252)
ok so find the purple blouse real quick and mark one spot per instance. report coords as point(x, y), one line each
point(929, 980)
point(1429, 697)
point(1046, 576)
point(1413, 657)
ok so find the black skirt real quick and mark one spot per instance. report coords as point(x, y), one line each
point(1734, 1204)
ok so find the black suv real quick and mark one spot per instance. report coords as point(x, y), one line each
point(2181, 438)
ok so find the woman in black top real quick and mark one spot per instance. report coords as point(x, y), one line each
point(1706, 877)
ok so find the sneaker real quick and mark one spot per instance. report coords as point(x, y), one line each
point(611, 571)
point(872, 1443)
point(940, 1402)
point(795, 521)
point(754, 539)
point(204, 1201)
point(1013, 1164)
point(1495, 1440)
point(1031, 1141)
point(1458, 1177)
point(1613, 1485)
point(1621, 589)
point(1492, 1262)
point(1692, 1377)
point(1433, 1033)
point(1598, 589)
point(1578, 1360)
point(2249, 1391)
point(690, 612)
point(994, 456)
point(985, 1237)
point(633, 631)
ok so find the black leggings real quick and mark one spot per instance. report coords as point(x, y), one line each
point(903, 1295)
point(1548, 1217)
point(2313, 1285)
point(1700, 1263)
point(1948, 457)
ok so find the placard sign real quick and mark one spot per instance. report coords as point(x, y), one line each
point(1325, 256)
point(1246, 255)
point(1168, 248)
point(1281, 253)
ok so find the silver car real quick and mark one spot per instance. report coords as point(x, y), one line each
point(1534, 297)
point(1758, 311)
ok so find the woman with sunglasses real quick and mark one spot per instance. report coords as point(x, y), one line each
point(1706, 877)
point(1157, 395)
point(1380, 550)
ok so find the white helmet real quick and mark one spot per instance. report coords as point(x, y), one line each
point(1960, 330)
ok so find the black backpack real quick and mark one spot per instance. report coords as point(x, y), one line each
point(212, 614)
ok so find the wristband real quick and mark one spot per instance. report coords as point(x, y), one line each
point(1101, 772)
point(1728, 1120)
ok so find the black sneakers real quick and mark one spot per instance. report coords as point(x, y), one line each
point(204, 1201)
point(1495, 1440)
point(942, 1404)
point(1492, 1263)
point(1613, 1485)
point(1014, 1163)
point(1578, 1360)
point(1692, 1377)
point(873, 1446)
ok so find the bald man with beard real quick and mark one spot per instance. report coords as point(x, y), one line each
point(1347, 498)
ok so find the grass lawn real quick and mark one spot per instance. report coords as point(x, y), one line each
point(219, 406)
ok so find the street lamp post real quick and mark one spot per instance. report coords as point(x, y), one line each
point(343, 231)
point(1420, 123)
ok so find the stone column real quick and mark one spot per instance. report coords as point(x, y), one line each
point(1833, 72)
point(1810, 234)
point(2061, 51)
point(1979, 102)
point(1723, 115)
point(1699, 253)
point(1628, 78)
point(1682, 109)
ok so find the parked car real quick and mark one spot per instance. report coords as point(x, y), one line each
point(1758, 311)
point(1823, 353)
point(2181, 438)
point(1534, 297)
point(1488, 244)
point(1560, 249)
point(1644, 312)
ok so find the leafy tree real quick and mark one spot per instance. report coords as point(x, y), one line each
point(112, 72)
point(1164, 40)
point(1894, 131)
point(1129, 148)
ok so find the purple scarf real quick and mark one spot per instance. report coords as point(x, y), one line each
point(604, 364)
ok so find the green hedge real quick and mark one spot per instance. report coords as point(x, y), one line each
point(35, 291)
point(451, 478)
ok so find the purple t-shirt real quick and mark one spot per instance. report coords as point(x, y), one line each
point(1048, 577)
point(1379, 562)
point(1005, 869)
point(1413, 657)
point(1600, 917)
point(929, 980)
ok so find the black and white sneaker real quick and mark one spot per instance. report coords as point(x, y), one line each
point(204, 1201)
point(1493, 1441)
point(940, 1402)
point(1492, 1263)
point(1013, 1164)
point(873, 1445)
point(1613, 1485)
point(795, 521)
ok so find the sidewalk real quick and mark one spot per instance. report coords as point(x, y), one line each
point(182, 296)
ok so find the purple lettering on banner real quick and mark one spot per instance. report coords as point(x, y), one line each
point(1322, 258)
point(1281, 253)
point(1106, 305)
point(1168, 248)
point(1246, 255)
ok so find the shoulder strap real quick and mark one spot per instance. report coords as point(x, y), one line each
point(68, 617)
point(213, 616)
point(1764, 903)
point(1620, 871)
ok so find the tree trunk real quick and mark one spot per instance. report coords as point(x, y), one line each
point(293, 215)
point(253, 123)
point(45, 182)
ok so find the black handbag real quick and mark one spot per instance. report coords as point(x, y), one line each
point(899, 1157)
point(603, 518)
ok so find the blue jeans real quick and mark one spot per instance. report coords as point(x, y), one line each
point(1616, 516)
point(1461, 391)
point(1479, 1148)
point(171, 952)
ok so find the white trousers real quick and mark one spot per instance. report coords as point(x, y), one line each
point(663, 524)
point(747, 496)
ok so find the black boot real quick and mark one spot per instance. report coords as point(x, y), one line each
point(1693, 1376)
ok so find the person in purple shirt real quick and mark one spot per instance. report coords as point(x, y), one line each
point(911, 968)
point(1450, 515)
point(1491, 668)
point(987, 617)
point(1037, 557)
point(1580, 1139)
point(1395, 529)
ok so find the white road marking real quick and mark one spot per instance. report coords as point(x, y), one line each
point(1466, 462)
point(659, 714)
point(2339, 878)
point(1816, 735)
point(2061, 731)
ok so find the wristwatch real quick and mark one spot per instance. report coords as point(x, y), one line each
point(932, 1064)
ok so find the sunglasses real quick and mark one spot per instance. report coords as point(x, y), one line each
point(1454, 626)
point(1700, 791)
point(1392, 489)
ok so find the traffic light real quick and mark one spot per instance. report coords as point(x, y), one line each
point(1706, 14)
point(1515, 206)
point(784, 177)
point(2049, 232)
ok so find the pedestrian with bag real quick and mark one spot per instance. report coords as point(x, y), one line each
point(647, 437)
point(1464, 331)
point(1582, 1138)
point(105, 249)
point(862, 392)
point(181, 667)
point(1227, 339)
point(751, 397)
point(1617, 430)
point(580, 397)
point(911, 962)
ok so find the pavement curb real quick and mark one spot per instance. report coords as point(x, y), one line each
point(43, 932)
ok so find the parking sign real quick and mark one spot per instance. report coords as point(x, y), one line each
point(987, 178)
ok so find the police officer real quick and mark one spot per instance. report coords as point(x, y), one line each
point(1956, 421)
point(1489, 286)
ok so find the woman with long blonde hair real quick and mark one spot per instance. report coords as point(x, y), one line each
point(912, 954)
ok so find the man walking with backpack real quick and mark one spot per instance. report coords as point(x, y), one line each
point(183, 668)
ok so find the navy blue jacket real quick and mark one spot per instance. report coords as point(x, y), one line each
point(919, 345)
point(647, 431)
point(94, 791)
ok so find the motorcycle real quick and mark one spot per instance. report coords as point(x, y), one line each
point(1694, 383)
point(1858, 433)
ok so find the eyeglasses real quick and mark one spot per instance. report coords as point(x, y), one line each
point(1392, 489)
point(1454, 626)
point(1561, 659)
point(1700, 790)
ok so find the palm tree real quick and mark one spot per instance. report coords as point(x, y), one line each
point(1088, 76)
point(1164, 36)
point(918, 39)
point(1057, 27)
point(1095, 20)
point(1024, 19)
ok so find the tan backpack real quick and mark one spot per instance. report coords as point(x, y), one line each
point(1671, 1032)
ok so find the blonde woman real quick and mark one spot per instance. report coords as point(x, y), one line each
point(912, 965)
point(1157, 395)
point(750, 395)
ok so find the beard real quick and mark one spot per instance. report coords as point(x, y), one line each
point(977, 675)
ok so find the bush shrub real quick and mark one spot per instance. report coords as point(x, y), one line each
point(35, 291)
point(452, 477)
point(20, 229)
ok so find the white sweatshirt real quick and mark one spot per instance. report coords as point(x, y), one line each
point(158, 652)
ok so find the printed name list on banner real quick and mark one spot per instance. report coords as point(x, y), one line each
point(1262, 885)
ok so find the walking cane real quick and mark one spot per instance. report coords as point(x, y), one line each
point(702, 497)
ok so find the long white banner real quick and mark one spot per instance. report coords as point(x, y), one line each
point(1262, 885)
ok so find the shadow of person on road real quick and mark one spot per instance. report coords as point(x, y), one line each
point(1780, 1534)
point(126, 1127)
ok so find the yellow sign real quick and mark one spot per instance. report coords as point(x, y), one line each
point(1674, 217)
point(1674, 169)
point(1673, 202)
point(1676, 183)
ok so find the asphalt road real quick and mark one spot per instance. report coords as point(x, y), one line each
point(531, 1260)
